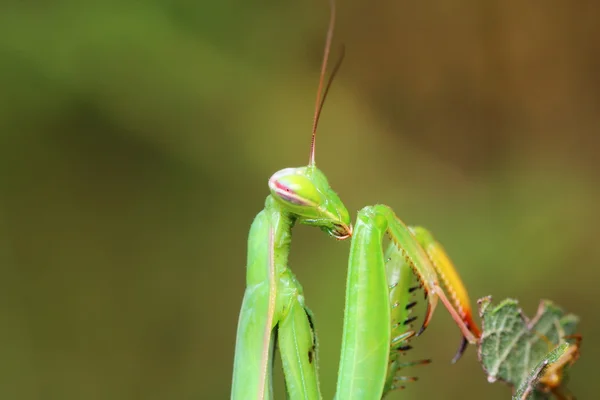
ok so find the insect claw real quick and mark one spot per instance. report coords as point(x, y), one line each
point(461, 350)
point(428, 315)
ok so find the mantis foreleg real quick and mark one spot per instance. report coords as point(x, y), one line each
point(273, 305)
point(297, 345)
point(377, 321)
point(367, 331)
point(401, 294)
point(365, 350)
point(450, 281)
point(255, 336)
point(425, 270)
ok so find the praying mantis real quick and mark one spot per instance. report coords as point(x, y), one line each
point(376, 317)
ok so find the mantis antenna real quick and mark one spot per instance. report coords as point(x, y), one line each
point(321, 100)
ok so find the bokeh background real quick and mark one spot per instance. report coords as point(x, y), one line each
point(136, 140)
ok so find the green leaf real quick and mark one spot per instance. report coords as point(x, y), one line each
point(519, 350)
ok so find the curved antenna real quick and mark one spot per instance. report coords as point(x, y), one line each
point(319, 102)
point(337, 66)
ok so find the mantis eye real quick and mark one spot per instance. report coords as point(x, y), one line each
point(294, 188)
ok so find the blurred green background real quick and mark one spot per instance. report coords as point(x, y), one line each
point(136, 140)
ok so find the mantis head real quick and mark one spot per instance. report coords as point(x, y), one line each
point(305, 191)
point(307, 195)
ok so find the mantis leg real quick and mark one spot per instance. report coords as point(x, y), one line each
point(450, 281)
point(374, 329)
point(254, 357)
point(401, 295)
point(425, 270)
point(252, 378)
point(298, 347)
point(273, 310)
point(367, 331)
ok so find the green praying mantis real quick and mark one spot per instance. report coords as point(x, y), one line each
point(378, 304)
